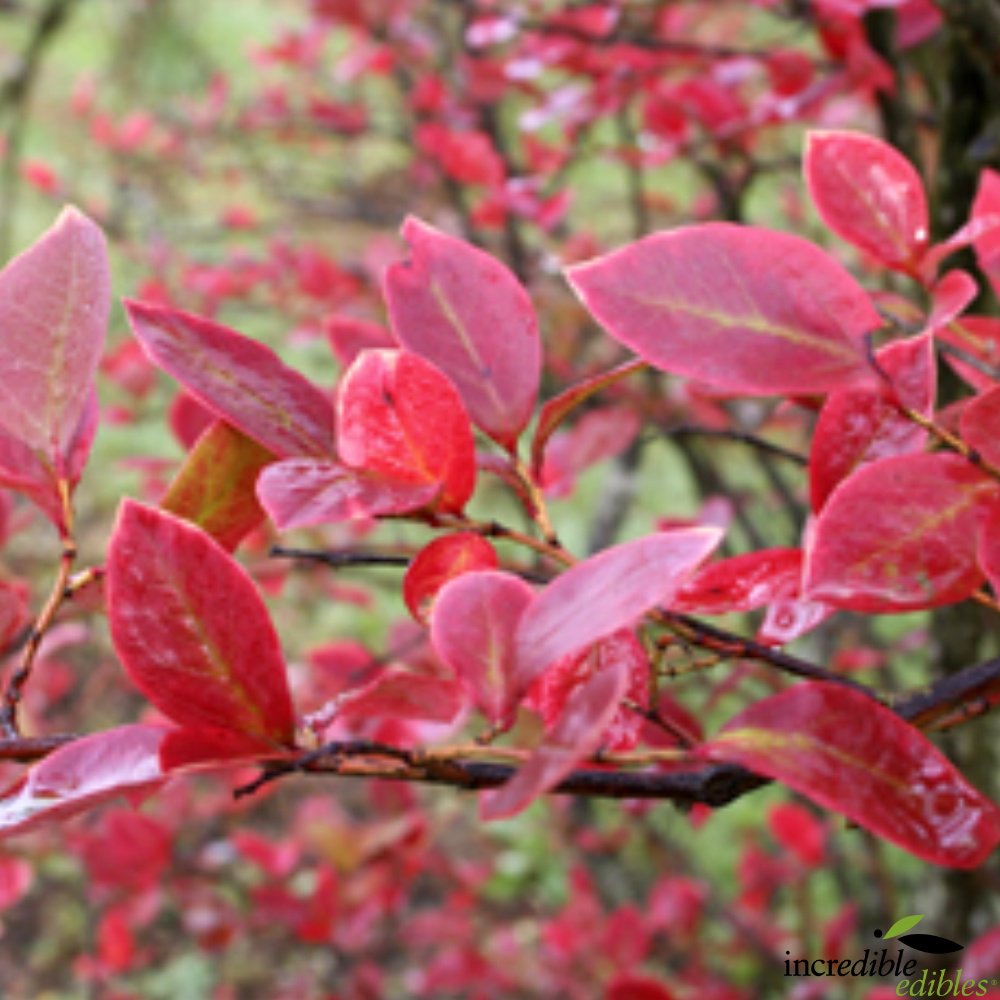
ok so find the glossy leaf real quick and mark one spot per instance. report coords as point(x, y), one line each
point(864, 423)
point(399, 418)
point(464, 311)
point(93, 769)
point(215, 487)
point(578, 733)
point(899, 534)
point(191, 629)
point(302, 492)
point(442, 560)
point(555, 411)
point(605, 593)
point(741, 308)
point(549, 694)
point(54, 304)
point(869, 194)
point(237, 378)
point(846, 752)
point(741, 583)
point(980, 425)
point(473, 629)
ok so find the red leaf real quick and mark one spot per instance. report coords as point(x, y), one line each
point(846, 752)
point(863, 423)
point(869, 194)
point(986, 214)
point(980, 425)
point(555, 411)
point(798, 832)
point(301, 492)
point(238, 379)
point(605, 593)
point(92, 769)
point(548, 695)
point(54, 303)
point(578, 733)
point(465, 312)
point(400, 693)
point(215, 486)
point(899, 534)
point(442, 560)
point(741, 583)
point(202, 748)
point(191, 629)
point(473, 629)
point(744, 309)
point(977, 337)
point(989, 546)
point(399, 418)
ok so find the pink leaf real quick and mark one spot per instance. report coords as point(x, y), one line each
point(741, 583)
point(988, 549)
point(54, 303)
point(869, 194)
point(302, 492)
point(986, 214)
point(473, 629)
point(980, 425)
point(191, 629)
point(30, 473)
point(555, 411)
point(744, 309)
point(863, 423)
point(400, 419)
point(578, 733)
point(81, 774)
point(899, 534)
point(549, 693)
point(444, 559)
point(464, 311)
point(400, 693)
point(950, 297)
point(238, 379)
point(846, 752)
point(978, 338)
point(605, 593)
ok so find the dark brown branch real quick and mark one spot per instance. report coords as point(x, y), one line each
point(741, 437)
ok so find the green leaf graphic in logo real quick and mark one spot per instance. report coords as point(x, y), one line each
point(901, 926)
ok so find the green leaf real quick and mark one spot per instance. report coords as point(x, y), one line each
point(903, 925)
